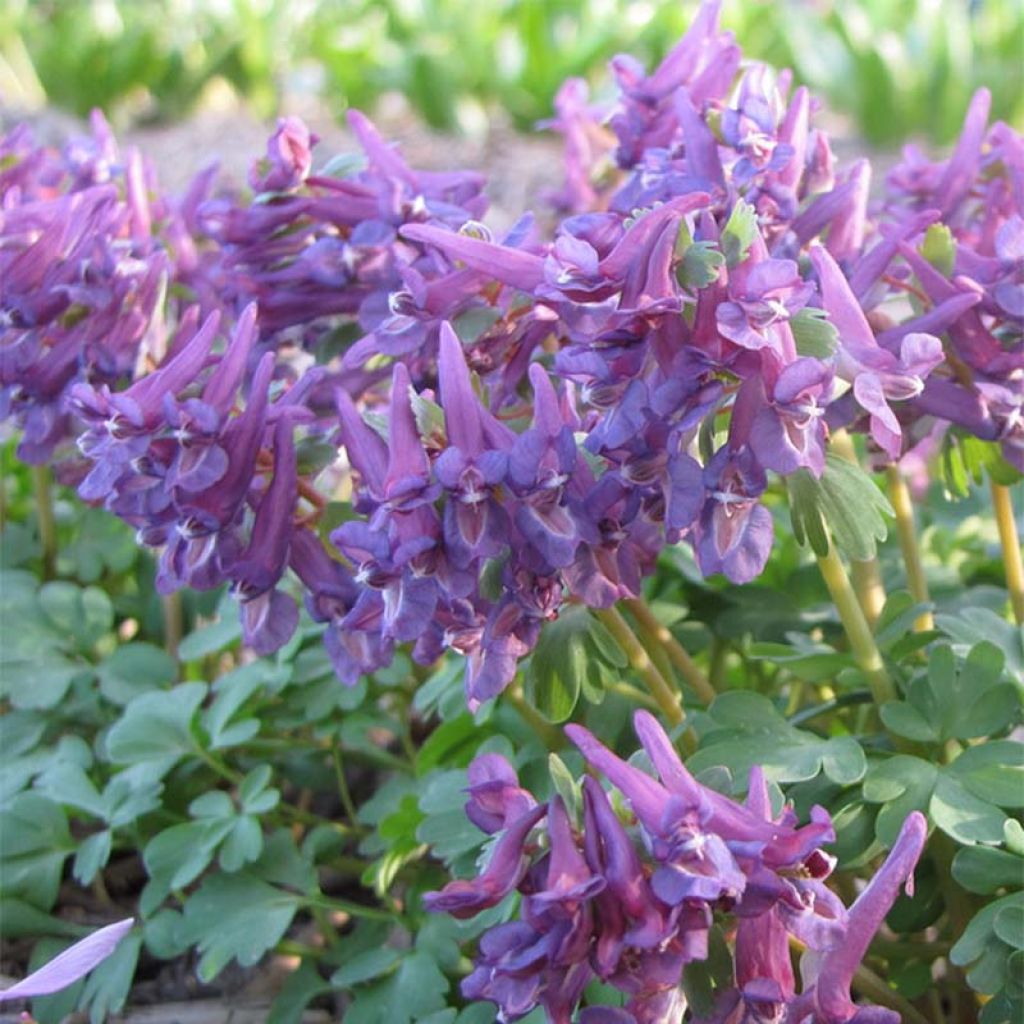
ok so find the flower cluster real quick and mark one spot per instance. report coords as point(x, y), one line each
point(523, 422)
point(633, 903)
point(81, 282)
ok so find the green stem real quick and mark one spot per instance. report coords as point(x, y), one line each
point(677, 654)
point(641, 662)
point(548, 734)
point(1010, 542)
point(858, 632)
point(289, 947)
point(173, 622)
point(343, 791)
point(634, 693)
point(871, 985)
point(899, 496)
point(348, 907)
point(867, 582)
point(42, 485)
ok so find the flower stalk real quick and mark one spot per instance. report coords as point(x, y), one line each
point(677, 654)
point(1010, 541)
point(899, 496)
point(858, 632)
point(642, 664)
point(43, 489)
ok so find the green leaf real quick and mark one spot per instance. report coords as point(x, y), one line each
point(962, 702)
point(415, 989)
point(847, 501)
point(108, 985)
point(178, 855)
point(213, 638)
point(699, 266)
point(983, 869)
point(574, 652)
point(34, 843)
point(903, 784)
point(977, 625)
point(565, 786)
point(815, 335)
point(157, 728)
point(242, 845)
point(132, 669)
point(92, 856)
point(739, 232)
point(749, 729)
point(19, 920)
point(300, 987)
point(85, 613)
point(365, 967)
point(236, 917)
point(961, 814)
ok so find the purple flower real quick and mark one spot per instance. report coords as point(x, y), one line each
point(75, 962)
point(764, 293)
point(504, 871)
point(734, 533)
point(269, 617)
point(828, 997)
point(495, 796)
point(289, 159)
point(877, 375)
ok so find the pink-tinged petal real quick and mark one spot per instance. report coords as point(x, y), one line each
point(963, 164)
point(522, 270)
point(920, 353)
point(220, 389)
point(459, 401)
point(865, 918)
point(646, 796)
point(843, 309)
point(367, 453)
point(621, 259)
point(381, 155)
point(407, 459)
point(885, 428)
point(793, 131)
point(74, 963)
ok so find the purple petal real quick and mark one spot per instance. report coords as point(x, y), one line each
point(70, 965)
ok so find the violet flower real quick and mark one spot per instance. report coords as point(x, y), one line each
point(66, 968)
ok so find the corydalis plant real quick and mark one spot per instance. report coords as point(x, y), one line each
point(632, 901)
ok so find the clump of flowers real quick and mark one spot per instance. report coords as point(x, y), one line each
point(632, 902)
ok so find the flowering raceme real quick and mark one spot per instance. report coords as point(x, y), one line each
point(525, 422)
point(631, 902)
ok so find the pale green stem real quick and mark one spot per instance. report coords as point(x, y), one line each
point(870, 984)
point(858, 632)
point(677, 654)
point(548, 734)
point(867, 583)
point(641, 662)
point(899, 496)
point(173, 622)
point(1010, 542)
point(41, 484)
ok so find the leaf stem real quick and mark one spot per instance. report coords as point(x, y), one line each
point(1010, 542)
point(344, 793)
point(858, 632)
point(42, 486)
point(641, 662)
point(348, 907)
point(677, 654)
point(899, 495)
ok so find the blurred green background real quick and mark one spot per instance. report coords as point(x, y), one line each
point(899, 68)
